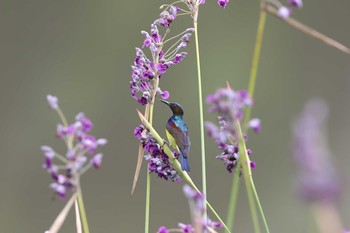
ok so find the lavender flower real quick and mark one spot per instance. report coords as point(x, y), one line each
point(229, 106)
point(158, 161)
point(80, 148)
point(318, 179)
point(146, 70)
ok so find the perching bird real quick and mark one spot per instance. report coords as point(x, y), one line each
point(177, 133)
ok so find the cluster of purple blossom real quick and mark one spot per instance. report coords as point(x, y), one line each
point(283, 11)
point(200, 223)
point(229, 106)
point(158, 161)
point(318, 179)
point(145, 71)
point(81, 147)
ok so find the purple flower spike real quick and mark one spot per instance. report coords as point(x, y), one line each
point(284, 12)
point(296, 3)
point(255, 124)
point(70, 165)
point(53, 101)
point(318, 179)
point(223, 3)
point(162, 229)
point(229, 105)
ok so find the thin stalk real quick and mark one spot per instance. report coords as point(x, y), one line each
point(204, 178)
point(247, 174)
point(82, 211)
point(148, 184)
point(148, 198)
point(259, 205)
point(255, 64)
point(233, 199)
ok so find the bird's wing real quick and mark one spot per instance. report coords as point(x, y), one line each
point(180, 134)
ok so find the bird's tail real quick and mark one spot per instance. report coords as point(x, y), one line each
point(185, 166)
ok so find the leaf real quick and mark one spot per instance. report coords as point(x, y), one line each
point(309, 31)
point(57, 224)
point(138, 168)
point(77, 217)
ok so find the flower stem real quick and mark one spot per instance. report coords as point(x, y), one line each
point(255, 64)
point(148, 184)
point(82, 211)
point(247, 175)
point(204, 178)
point(233, 199)
point(148, 198)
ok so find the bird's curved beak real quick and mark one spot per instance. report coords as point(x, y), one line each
point(166, 102)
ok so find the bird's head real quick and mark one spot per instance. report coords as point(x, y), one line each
point(175, 108)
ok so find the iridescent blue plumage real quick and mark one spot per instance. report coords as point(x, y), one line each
point(177, 133)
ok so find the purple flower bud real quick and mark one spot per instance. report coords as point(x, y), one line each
point(185, 228)
point(138, 131)
point(162, 229)
point(162, 68)
point(255, 124)
point(201, 1)
point(223, 3)
point(97, 160)
point(252, 164)
point(296, 3)
point(86, 122)
point(284, 12)
point(146, 43)
point(249, 152)
point(59, 189)
point(102, 141)
point(53, 101)
point(165, 95)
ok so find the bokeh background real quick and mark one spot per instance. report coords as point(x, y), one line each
point(81, 51)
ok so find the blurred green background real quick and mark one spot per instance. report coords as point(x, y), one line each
point(81, 51)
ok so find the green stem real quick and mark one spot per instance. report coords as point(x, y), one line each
point(259, 205)
point(204, 178)
point(148, 198)
point(233, 199)
point(82, 211)
point(247, 175)
point(148, 184)
point(255, 64)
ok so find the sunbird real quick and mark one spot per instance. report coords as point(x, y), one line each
point(177, 133)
